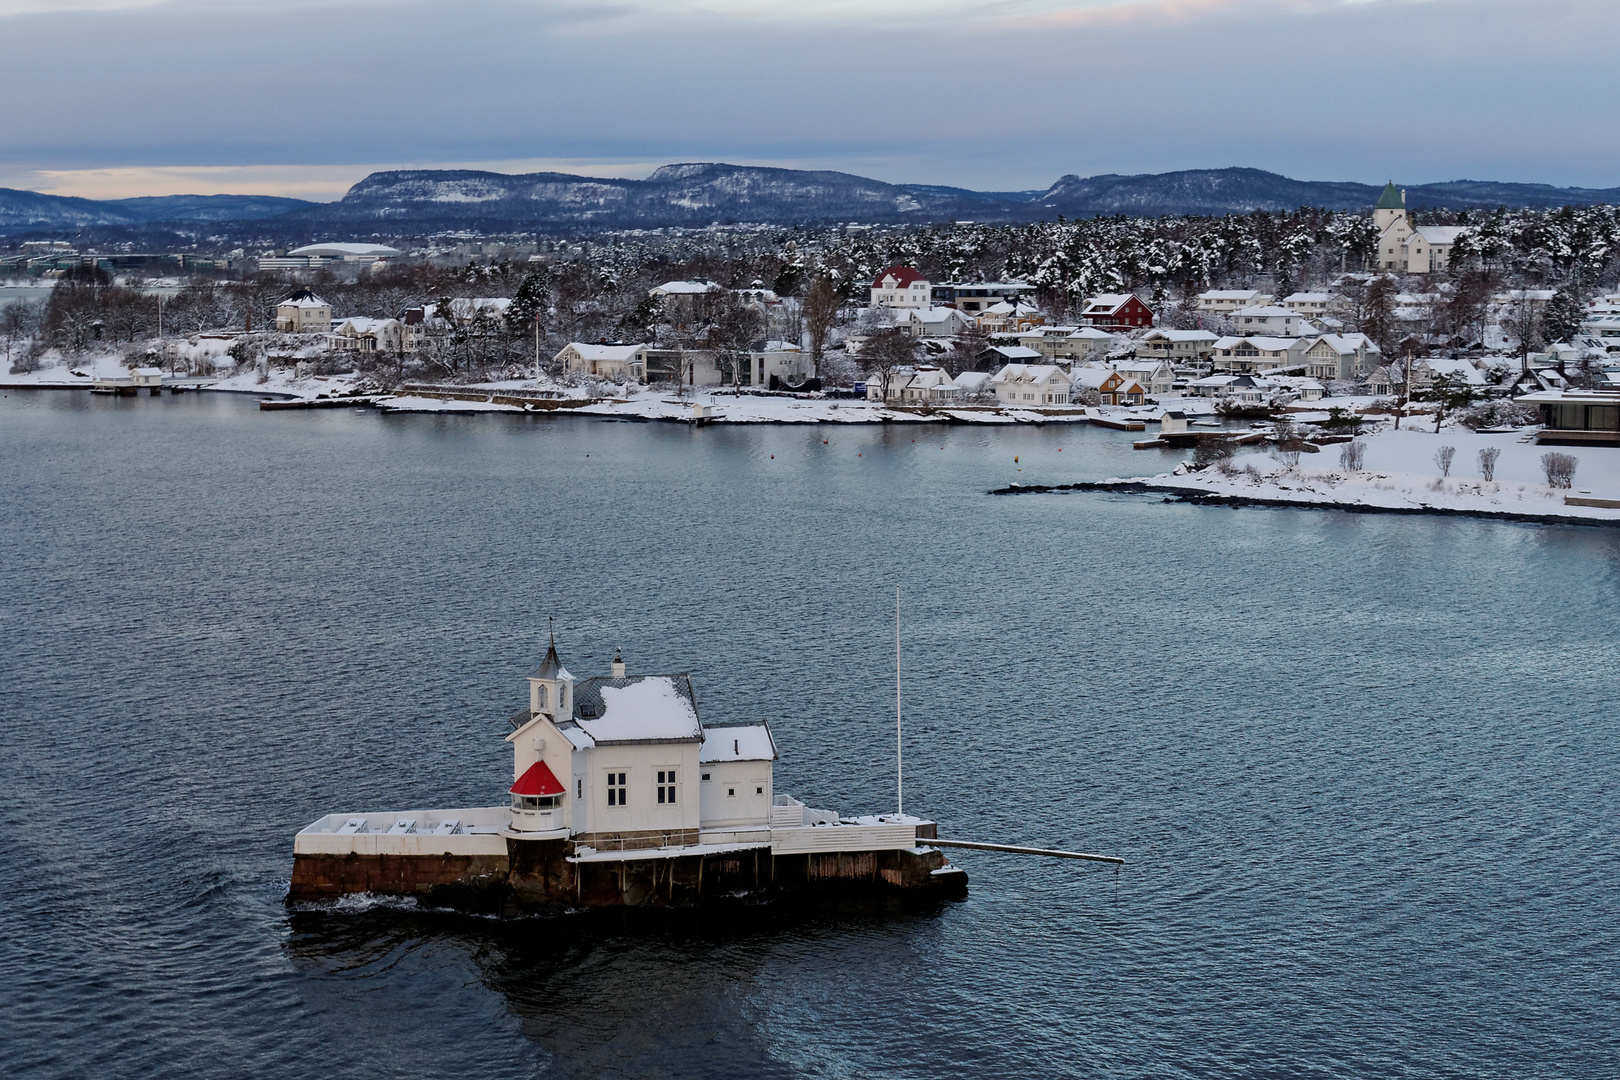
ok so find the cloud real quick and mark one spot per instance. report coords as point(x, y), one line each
point(1006, 95)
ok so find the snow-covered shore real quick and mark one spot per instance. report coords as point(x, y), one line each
point(1400, 474)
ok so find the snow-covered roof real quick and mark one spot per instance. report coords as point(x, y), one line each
point(148, 372)
point(1030, 373)
point(1180, 335)
point(648, 708)
point(972, 380)
point(1228, 294)
point(737, 742)
point(303, 298)
point(1442, 365)
point(603, 352)
point(683, 288)
point(339, 251)
point(1016, 353)
point(1266, 344)
point(363, 324)
point(1091, 333)
point(1268, 311)
point(1107, 303)
point(1307, 298)
point(1440, 234)
point(1346, 343)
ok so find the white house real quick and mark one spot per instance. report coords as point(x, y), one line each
point(929, 385)
point(1156, 376)
point(1226, 301)
point(932, 322)
point(1067, 344)
point(303, 313)
point(1009, 317)
point(365, 335)
point(1341, 356)
point(1269, 320)
point(1249, 354)
point(619, 363)
point(621, 762)
point(779, 360)
point(1177, 346)
point(1030, 385)
point(1312, 305)
point(425, 321)
point(901, 287)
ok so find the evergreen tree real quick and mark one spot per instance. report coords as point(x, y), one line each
point(1564, 315)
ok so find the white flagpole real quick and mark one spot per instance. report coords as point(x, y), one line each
point(899, 752)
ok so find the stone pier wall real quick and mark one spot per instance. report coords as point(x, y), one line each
point(536, 876)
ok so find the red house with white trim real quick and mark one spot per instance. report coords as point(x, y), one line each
point(1117, 311)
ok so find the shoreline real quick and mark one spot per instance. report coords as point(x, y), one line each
point(1204, 497)
point(644, 407)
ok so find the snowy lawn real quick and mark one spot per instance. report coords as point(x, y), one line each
point(1400, 472)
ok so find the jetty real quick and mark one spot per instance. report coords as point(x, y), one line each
point(621, 796)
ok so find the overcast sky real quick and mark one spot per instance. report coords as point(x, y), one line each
point(112, 98)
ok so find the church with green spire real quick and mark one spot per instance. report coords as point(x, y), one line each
point(1407, 248)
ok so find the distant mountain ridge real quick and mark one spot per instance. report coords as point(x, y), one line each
point(21, 210)
point(700, 193)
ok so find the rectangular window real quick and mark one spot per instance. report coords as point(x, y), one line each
point(666, 787)
point(579, 789)
point(617, 791)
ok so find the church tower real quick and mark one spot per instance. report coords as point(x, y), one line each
point(551, 687)
point(1390, 208)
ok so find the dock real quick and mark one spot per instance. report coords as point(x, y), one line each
point(355, 402)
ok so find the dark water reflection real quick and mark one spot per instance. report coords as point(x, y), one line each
point(1364, 768)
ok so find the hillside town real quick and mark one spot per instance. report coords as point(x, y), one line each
point(1470, 317)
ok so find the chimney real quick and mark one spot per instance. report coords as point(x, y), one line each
point(618, 663)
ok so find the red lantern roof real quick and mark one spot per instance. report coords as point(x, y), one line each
point(539, 780)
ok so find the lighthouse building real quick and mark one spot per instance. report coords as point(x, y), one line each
point(621, 762)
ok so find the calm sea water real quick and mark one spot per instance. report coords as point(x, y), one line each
point(1363, 768)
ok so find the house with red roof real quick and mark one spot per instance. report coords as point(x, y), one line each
point(901, 287)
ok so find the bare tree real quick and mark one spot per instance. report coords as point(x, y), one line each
point(1443, 458)
point(1352, 455)
point(1487, 462)
point(820, 314)
point(17, 322)
point(886, 351)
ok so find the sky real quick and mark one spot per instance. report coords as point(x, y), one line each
point(118, 98)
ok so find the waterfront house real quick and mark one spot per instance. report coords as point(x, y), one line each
point(1112, 387)
point(365, 335)
point(303, 313)
point(1340, 356)
point(1031, 385)
point(1156, 376)
point(1173, 423)
point(625, 762)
